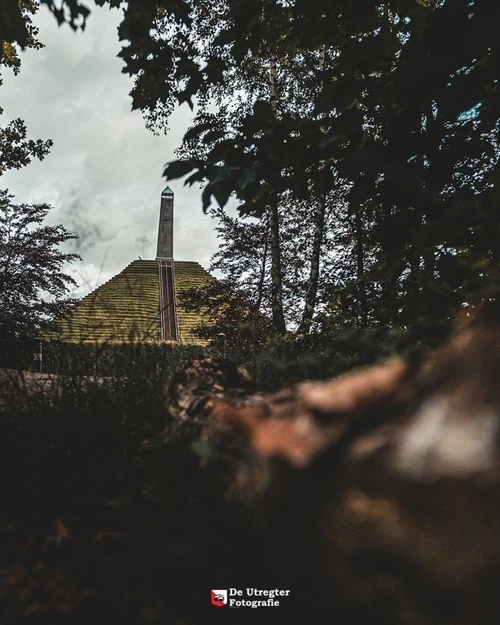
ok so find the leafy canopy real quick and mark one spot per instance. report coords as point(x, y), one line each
point(404, 114)
point(33, 282)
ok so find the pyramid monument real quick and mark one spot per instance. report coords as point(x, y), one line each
point(143, 303)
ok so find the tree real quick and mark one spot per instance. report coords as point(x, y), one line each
point(411, 119)
point(17, 31)
point(16, 150)
point(405, 112)
point(244, 260)
point(33, 283)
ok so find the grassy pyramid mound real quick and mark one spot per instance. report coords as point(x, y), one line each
point(127, 307)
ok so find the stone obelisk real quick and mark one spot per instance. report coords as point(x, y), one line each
point(165, 248)
point(166, 268)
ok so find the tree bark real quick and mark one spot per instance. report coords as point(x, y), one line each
point(273, 90)
point(312, 288)
point(360, 266)
point(319, 225)
point(274, 223)
point(260, 285)
point(276, 273)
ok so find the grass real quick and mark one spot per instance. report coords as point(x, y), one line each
point(82, 517)
point(96, 524)
point(126, 307)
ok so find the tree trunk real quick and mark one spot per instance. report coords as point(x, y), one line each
point(276, 273)
point(360, 266)
point(319, 225)
point(260, 285)
point(273, 91)
point(312, 289)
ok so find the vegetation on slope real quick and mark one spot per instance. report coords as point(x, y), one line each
point(127, 307)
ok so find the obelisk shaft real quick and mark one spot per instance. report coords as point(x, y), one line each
point(165, 248)
point(169, 323)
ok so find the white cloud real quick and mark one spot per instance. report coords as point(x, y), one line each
point(104, 173)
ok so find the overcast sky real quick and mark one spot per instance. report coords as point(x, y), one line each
point(104, 174)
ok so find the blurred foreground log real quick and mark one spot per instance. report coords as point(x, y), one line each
point(371, 498)
point(374, 496)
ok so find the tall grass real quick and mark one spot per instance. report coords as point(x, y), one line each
point(88, 523)
point(95, 525)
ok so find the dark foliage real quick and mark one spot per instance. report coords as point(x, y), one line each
point(33, 282)
point(17, 30)
point(128, 504)
point(16, 150)
point(396, 103)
